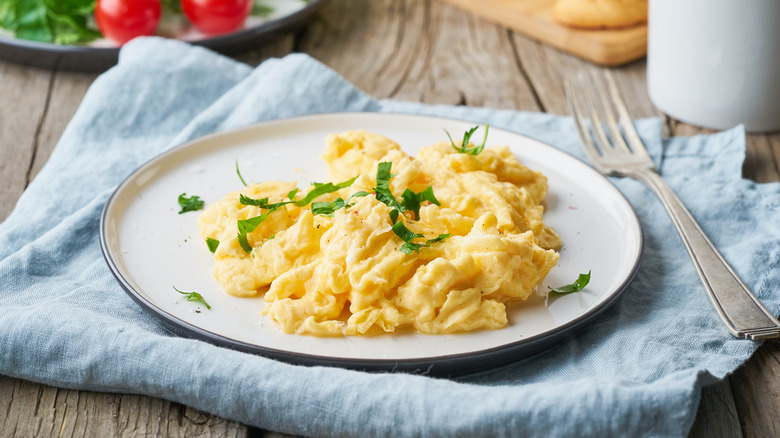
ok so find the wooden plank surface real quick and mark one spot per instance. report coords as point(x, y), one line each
point(425, 51)
point(33, 410)
point(20, 122)
point(534, 19)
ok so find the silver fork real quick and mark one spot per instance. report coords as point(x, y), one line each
point(623, 154)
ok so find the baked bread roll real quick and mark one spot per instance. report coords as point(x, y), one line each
point(600, 14)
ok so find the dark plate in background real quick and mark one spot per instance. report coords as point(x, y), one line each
point(97, 59)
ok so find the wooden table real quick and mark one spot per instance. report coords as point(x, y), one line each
point(422, 51)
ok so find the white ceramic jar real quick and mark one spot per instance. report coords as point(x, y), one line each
point(716, 63)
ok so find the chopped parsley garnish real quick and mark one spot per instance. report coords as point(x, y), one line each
point(246, 200)
point(194, 296)
point(189, 204)
point(382, 189)
point(359, 194)
point(262, 202)
point(404, 233)
point(410, 201)
point(577, 286)
point(464, 149)
point(212, 244)
point(246, 226)
point(319, 190)
point(244, 242)
point(323, 189)
point(408, 235)
point(329, 208)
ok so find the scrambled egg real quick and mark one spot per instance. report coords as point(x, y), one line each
point(345, 274)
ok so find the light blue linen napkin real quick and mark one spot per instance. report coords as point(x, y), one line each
point(635, 371)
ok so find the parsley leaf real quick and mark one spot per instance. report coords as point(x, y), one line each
point(409, 247)
point(246, 226)
point(394, 215)
point(358, 194)
point(464, 149)
point(246, 200)
point(404, 233)
point(577, 286)
point(408, 235)
point(244, 242)
point(323, 189)
point(427, 195)
point(382, 189)
point(412, 201)
point(262, 203)
point(212, 244)
point(327, 208)
point(194, 296)
point(189, 204)
point(239, 175)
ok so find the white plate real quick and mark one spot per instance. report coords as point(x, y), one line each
point(151, 248)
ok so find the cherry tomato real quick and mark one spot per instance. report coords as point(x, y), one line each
point(216, 16)
point(123, 20)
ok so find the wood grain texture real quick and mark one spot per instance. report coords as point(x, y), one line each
point(66, 92)
point(25, 94)
point(546, 68)
point(756, 387)
point(534, 19)
point(762, 158)
point(422, 51)
point(34, 410)
point(717, 416)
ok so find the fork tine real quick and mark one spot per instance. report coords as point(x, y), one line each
point(575, 107)
point(625, 120)
point(596, 125)
point(609, 114)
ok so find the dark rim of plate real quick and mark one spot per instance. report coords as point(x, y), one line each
point(442, 366)
point(97, 59)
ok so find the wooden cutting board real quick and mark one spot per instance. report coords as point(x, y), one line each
point(533, 18)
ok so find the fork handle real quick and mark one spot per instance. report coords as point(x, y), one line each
point(740, 310)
